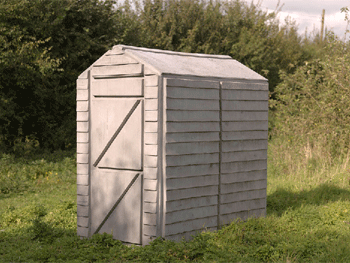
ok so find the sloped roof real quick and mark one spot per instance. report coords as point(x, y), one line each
point(193, 64)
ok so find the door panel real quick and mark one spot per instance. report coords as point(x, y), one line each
point(125, 221)
point(116, 171)
point(125, 151)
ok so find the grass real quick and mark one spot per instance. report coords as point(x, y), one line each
point(308, 217)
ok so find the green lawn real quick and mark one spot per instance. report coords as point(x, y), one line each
point(308, 219)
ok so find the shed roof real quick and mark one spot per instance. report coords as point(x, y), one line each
point(192, 64)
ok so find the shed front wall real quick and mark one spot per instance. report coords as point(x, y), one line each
point(215, 153)
point(118, 183)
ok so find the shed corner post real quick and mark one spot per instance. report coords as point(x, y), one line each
point(83, 153)
point(162, 181)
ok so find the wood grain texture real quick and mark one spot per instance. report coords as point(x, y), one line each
point(150, 161)
point(150, 173)
point(82, 116)
point(150, 184)
point(192, 170)
point(82, 221)
point(188, 203)
point(82, 105)
point(82, 190)
point(82, 147)
point(243, 195)
point(150, 149)
point(245, 105)
point(82, 83)
point(117, 71)
point(150, 207)
point(244, 166)
point(197, 116)
point(246, 145)
point(244, 86)
point(151, 115)
point(151, 92)
point(190, 214)
point(244, 115)
point(190, 93)
point(191, 192)
point(117, 87)
point(83, 137)
point(244, 95)
point(150, 196)
point(192, 104)
point(245, 126)
point(151, 138)
point(82, 210)
point(82, 168)
point(244, 156)
point(191, 148)
point(192, 137)
point(227, 178)
point(243, 186)
point(83, 179)
point(82, 126)
point(82, 94)
point(117, 59)
point(82, 158)
point(192, 83)
point(83, 200)
point(150, 219)
point(149, 230)
point(151, 81)
point(191, 182)
point(193, 126)
point(189, 159)
point(151, 126)
point(151, 104)
point(245, 135)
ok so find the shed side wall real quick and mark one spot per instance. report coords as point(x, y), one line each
point(192, 156)
point(244, 150)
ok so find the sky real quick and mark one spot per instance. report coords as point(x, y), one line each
point(307, 13)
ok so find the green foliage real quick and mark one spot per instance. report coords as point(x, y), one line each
point(25, 174)
point(44, 46)
point(311, 113)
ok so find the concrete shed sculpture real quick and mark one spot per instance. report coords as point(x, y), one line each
point(169, 143)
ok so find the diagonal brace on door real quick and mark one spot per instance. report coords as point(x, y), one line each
point(117, 203)
point(127, 117)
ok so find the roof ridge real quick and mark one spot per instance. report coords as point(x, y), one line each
point(124, 47)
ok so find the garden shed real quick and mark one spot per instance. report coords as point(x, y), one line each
point(169, 144)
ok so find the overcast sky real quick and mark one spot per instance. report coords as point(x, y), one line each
point(307, 13)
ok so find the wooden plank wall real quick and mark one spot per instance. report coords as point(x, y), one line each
point(192, 156)
point(151, 163)
point(244, 150)
point(83, 191)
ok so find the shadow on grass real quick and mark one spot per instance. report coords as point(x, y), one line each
point(282, 199)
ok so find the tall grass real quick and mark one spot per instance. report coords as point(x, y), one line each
point(308, 194)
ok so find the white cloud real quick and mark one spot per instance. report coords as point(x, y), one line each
point(307, 13)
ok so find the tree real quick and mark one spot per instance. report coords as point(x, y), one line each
point(45, 45)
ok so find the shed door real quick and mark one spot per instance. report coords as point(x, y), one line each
point(116, 167)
